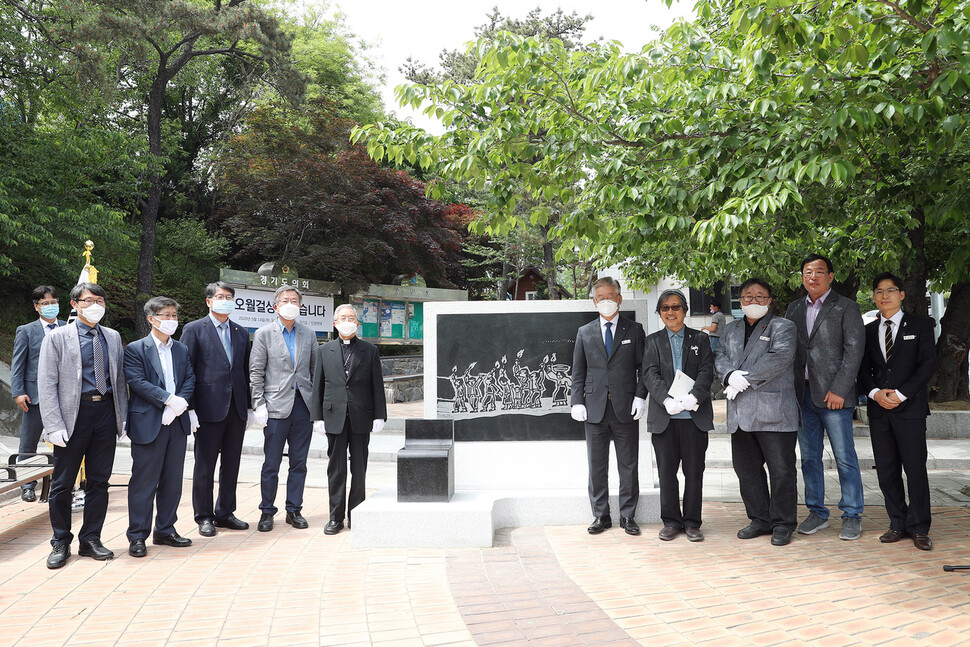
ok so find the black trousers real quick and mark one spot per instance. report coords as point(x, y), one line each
point(626, 444)
point(751, 451)
point(337, 447)
point(156, 479)
point(681, 445)
point(899, 444)
point(220, 441)
point(93, 440)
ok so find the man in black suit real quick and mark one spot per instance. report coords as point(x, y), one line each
point(899, 361)
point(23, 373)
point(608, 396)
point(348, 405)
point(679, 425)
point(219, 353)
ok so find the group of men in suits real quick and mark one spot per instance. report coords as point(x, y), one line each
point(787, 379)
point(85, 389)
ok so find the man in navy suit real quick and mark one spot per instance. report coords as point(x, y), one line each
point(219, 354)
point(23, 373)
point(899, 362)
point(161, 381)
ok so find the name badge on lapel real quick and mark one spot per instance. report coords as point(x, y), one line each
point(763, 338)
point(906, 337)
point(625, 341)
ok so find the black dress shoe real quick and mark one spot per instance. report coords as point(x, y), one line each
point(59, 554)
point(174, 540)
point(296, 520)
point(94, 549)
point(892, 536)
point(137, 548)
point(630, 526)
point(207, 528)
point(232, 523)
point(599, 525)
point(668, 533)
point(693, 534)
point(333, 527)
point(265, 522)
point(780, 536)
point(923, 542)
point(751, 531)
point(28, 495)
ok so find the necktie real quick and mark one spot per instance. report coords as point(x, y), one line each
point(889, 339)
point(224, 333)
point(51, 326)
point(100, 383)
point(609, 338)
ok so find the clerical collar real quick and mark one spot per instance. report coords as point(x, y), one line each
point(347, 341)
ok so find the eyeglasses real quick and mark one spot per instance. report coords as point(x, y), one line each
point(88, 302)
point(758, 300)
point(674, 308)
point(47, 303)
point(809, 274)
point(350, 319)
point(888, 291)
point(295, 302)
point(222, 297)
point(166, 316)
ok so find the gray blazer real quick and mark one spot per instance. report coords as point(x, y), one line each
point(658, 375)
point(769, 404)
point(273, 377)
point(833, 349)
point(59, 378)
point(598, 379)
point(26, 353)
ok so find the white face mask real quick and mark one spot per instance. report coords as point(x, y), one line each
point(346, 328)
point(754, 310)
point(93, 312)
point(607, 308)
point(223, 307)
point(167, 326)
point(289, 311)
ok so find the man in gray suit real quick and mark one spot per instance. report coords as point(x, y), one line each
point(831, 343)
point(679, 425)
point(23, 373)
point(608, 396)
point(83, 403)
point(280, 371)
point(755, 360)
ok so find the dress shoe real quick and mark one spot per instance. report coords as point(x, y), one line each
point(94, 549)
point(667, 533)
point(28, 495)
point(892, 536)
point(296, 520)
point(207, 528)
point(59, 554)
point(333, 527)
point(599, 525)
point(630, 526)
point(923, 542)
point(265, 522)
point(781, 536)
point(694, 534)
point(751, 531)
point(137, 548)
point(232, 523)
point(174, 540)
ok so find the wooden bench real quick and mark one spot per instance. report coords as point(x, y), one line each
point(26, 468)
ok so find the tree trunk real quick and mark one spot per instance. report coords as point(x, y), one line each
point(951, 381)
point(149, 212)
point(914, 269)
point(549, 264)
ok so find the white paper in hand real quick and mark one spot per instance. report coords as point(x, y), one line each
point(681, 385)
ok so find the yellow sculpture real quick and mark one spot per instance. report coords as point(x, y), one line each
point(92, 272)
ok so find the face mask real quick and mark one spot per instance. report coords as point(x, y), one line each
point(346, 328)
point(223, 307)
point(93, 313)
point(51, 311)
point(754, 310)
point(289, 311)
point(167, 326)
point(607, 308)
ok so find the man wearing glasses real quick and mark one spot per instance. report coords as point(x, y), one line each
point(83, 404)
point(219, 351)
point(23, 372)
point(899, 362)
point(831, 342)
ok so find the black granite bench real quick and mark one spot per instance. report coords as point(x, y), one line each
point(426, 464)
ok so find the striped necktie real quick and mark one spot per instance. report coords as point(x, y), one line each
point(100, 382)
point(889, 339)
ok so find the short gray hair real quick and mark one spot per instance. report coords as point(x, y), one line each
point(666, 294)
point(156, 304)
point(345, 306)
point(606, 280)
point(287, 288)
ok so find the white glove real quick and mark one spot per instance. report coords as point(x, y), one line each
point(688, 402)
point(250, 418)
point(168, 416)
point(319, 427)
point(672, 406)
point(730, 393)
point(260, 416)
point(124, 430)
point(578, 412)
point(637, 409)
point(378, 425)
point(738, 381)
point(58, 437)
point(179, 405)
point(193, 421)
